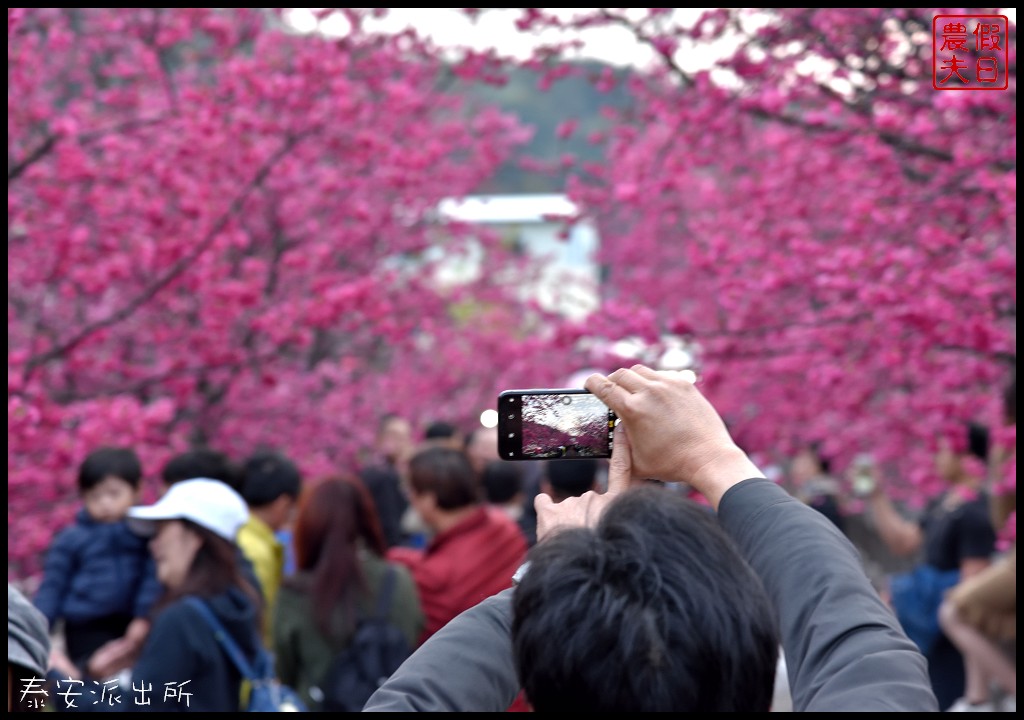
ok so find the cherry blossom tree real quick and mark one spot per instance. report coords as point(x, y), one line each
point(218, 232)
point(836, 236)
point(223, 232)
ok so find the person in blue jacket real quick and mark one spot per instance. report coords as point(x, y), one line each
point(98, 576)
point(182, 667)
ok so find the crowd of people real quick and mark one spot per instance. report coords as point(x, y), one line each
point(675, 576)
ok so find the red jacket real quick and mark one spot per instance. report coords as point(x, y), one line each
point(464, 565)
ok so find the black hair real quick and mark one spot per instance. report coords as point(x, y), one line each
point(502, 481)
point(653, 610)
point(978, 441)
point(119, 462)
point(447, 473)
point(201, 463)
point(824, 462)
point(439, 429)
point(266, 476)
point(571, 478)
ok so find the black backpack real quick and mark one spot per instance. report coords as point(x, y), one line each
point(378, 647)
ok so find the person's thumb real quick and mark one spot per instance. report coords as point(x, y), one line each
point(541, 502)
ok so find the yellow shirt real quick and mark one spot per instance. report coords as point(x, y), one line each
point(266, 553)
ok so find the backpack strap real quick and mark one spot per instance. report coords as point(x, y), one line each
point(387, 588)
point(224, 638)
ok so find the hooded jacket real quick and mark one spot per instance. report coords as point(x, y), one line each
point(183, 667)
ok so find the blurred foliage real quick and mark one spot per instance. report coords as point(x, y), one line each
point(522, 96)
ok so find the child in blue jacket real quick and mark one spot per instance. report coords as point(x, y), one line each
point(98, 576)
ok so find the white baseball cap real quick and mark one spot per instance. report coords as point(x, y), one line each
point(211, 504)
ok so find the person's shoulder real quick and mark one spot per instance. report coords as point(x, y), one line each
point(179, 629)
point(76, 533)
point(978, 508)
point(180, 611)
point(175, 621)
point(68, 535)
point(405, 555)
point(125, 538)
point(377, 473)
point(293, 599)
point(376, 569)
point(502, 522)
point(403, 575)
point(297, 585)
point(256, 544)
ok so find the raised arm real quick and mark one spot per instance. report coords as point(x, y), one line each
point(466, 666)
point(844, 648)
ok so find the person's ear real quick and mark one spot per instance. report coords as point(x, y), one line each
point(426, 503)
point(282, 510)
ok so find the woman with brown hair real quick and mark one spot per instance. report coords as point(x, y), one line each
point(340, 570)
point(182, 666)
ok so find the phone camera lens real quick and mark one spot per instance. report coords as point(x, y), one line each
point(567, 400)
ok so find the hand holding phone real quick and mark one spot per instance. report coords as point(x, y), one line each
point(585, 510)
point(545, 424)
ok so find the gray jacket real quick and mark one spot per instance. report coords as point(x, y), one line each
point(844, 649)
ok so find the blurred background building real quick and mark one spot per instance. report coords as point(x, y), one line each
point(534, 225)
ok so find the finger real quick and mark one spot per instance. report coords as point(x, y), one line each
point(609, 393)
point(620, 469)
point(629, 378)
point(542, 501)
point(646, 372)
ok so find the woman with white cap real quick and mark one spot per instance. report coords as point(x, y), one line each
point(182, 667)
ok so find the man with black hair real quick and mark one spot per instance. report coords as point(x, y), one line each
point(634, 600)
point(569, 478)
point(201, 463)
point(271, 484)
point(384, 474)
point(953, 540)
point(473, 550)
point(443, 434)
point(503, 489)
point(813, 483)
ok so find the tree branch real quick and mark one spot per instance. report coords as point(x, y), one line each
point(40, 152)
point(175, 271)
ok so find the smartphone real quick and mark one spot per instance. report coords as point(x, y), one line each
point(549, 424)
point(863, 480)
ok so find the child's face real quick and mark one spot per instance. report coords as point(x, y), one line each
point(109, 500)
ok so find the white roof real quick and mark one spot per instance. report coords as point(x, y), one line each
point(506, 208)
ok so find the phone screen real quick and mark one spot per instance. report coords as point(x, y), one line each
point(546, 424)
